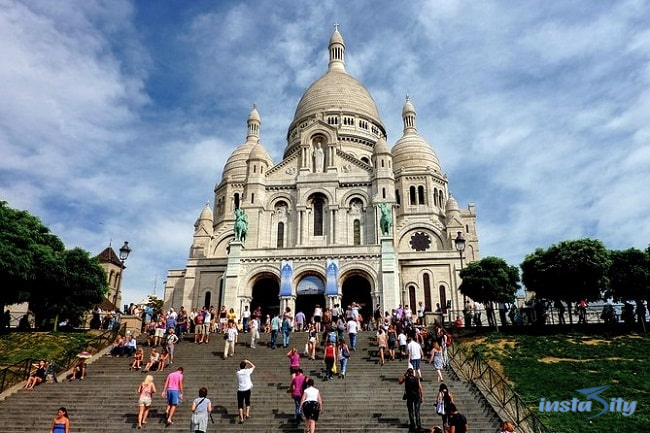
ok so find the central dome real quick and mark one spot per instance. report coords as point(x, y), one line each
point(335, 94)
point(337, 90)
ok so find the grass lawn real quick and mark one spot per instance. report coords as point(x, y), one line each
point(554, 367)
point(17, 346)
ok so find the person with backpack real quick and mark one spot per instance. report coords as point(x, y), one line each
point(443, 401)
point(414, 396)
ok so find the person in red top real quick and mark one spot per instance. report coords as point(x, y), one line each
point(330, 360)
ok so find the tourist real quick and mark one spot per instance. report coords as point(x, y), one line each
point(300, 321)
point(172, 339)
point(245, 319)
point(312, 338)
point(38, 376)
point(276, 324)
point(457, 421)
point(311, 405)
point(201, 410)
point(223, 319)
point(244, 386)
point(392, 341)
point(287, 327)
point(415, 354)
point(153, 361)
point(61, 422)
point(163, 360)
point(353, 328)
point(382, 344)
point(198, 327)
point(146, 391)
point(344, 356)
point(294, 362)
point(414, 395)
point(317, 318)
point(330, 360)
point(138, 357)
point(438, 360)
point(254, 327)
point(507, 427)
point(446, 397)
point(78, 370)
point(173, 392)
point(296, 388)
point(402, 342)
point(208, 325)
point(230, 340)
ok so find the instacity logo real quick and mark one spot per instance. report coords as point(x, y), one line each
point(626, 408)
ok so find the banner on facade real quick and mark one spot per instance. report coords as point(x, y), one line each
point(332, 277)
point(286, 276)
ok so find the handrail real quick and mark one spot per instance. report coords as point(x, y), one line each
point(495, 389)
point(20, 371)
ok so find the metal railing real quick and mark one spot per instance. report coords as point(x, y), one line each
point(470, 366)
point(21, 370)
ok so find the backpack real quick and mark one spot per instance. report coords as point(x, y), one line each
point(345, 352)
point(448, 340)
point(331, 337)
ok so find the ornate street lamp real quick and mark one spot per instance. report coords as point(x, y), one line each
point(125, 250)
point(459, 243)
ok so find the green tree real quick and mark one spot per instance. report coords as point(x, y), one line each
point(568, 271)
point(490, 280)
point(36, 267)
point(629, 275)
point(76, 282)
point(25, 246)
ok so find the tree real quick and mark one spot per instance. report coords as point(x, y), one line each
point(629, 275)
point(490, 280)
point(76, 282)
point(25, 244)
point(36, 267)
point(568, 271)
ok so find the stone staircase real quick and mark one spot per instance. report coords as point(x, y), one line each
point(369, 399)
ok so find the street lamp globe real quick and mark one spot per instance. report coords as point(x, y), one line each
point(125, 250)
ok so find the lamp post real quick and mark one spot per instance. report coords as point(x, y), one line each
point(125, 250)
point(459, 243)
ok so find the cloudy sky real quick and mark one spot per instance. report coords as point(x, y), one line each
point(116, 117)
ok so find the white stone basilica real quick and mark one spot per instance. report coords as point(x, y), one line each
point(342, 218)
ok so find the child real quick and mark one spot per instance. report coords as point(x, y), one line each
point(137, 359)
point(163, 359)
point(153, 360)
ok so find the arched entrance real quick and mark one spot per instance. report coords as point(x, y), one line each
point(357, 289)
point(266, 293)
point(310, 291)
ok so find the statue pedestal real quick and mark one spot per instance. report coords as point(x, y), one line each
point(388, 274)
point(232, 273)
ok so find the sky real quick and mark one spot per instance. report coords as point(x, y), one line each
point(116, 117)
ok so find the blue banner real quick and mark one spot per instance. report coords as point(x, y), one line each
point(332, 288)
point(286, 276)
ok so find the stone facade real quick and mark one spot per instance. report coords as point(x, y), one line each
point(315, 232)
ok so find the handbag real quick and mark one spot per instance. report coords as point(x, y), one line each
point(440, 407)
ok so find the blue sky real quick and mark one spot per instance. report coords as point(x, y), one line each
point(117, 116)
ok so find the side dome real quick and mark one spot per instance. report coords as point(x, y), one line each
point(412, 151)
point(235, 167)
point(259, 153)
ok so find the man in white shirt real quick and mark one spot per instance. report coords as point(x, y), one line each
point(244, 386)
point(415, 355)
point(353, 327)
point(245, 318)
point(231, 340)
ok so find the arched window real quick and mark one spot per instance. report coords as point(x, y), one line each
point(280, 242)
point(412, 196)
point(435, 196)
point(411, 299)
point(443, 298)
point(421, 194)
point(252, 197)
point(236, 200)
point(397, 198)
point(208, 299)
point(383, 193)
point(426, 282)
point(440, 197)
point(357, 232)
point(318, 216)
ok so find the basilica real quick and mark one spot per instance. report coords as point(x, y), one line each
point(343, 217)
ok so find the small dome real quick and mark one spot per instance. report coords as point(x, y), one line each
point(206, 213)
point(260, 153)
point(381, 146)
point(236, 165)
point(452, 204)
point(412, 152)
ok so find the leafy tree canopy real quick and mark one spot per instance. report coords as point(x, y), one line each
point(568, 271)
point(629, 275)
point(490, 280)
point(36, 267)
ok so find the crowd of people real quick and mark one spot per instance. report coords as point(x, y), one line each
point(330, 335)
